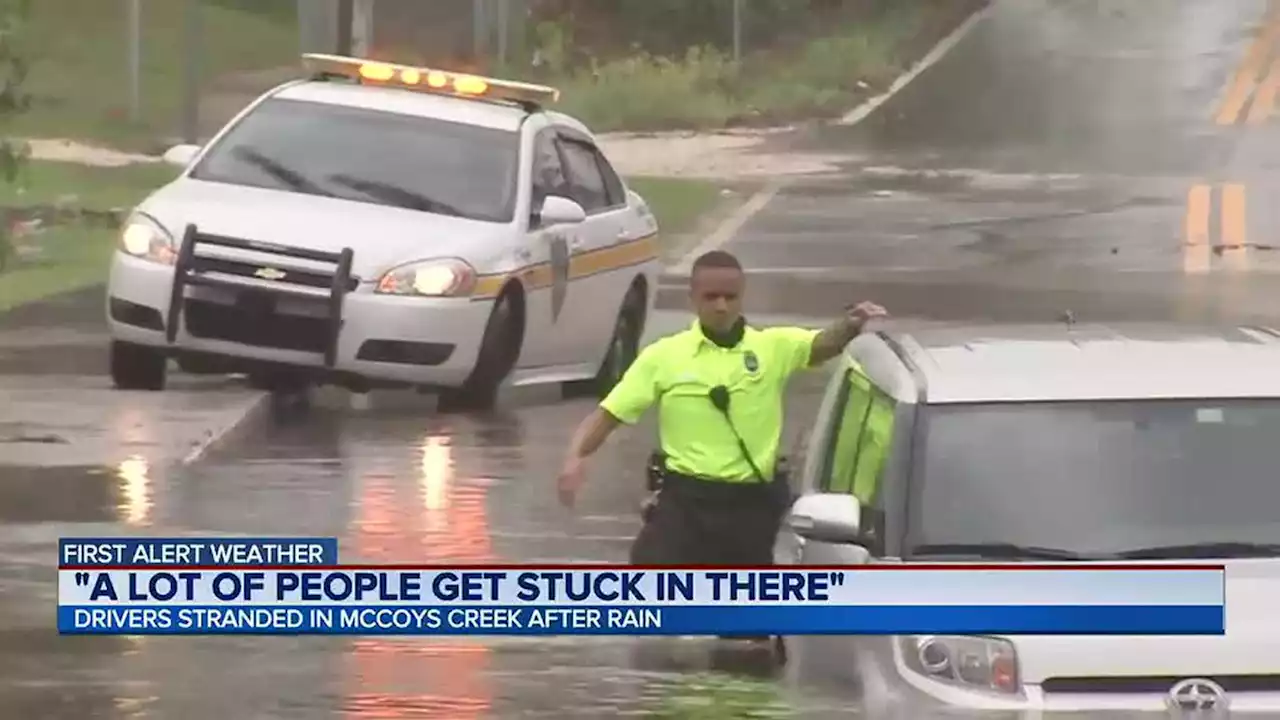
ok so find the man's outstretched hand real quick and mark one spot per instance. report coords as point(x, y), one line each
point(572, 477)
point(857, 316)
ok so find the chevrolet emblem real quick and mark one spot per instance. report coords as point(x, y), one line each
point(269, 273)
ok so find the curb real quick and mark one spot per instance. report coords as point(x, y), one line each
point(939, 51)
point(254, 411)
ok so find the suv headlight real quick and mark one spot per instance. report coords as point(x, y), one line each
point(977, 663)
point(144, 238)
point(429, 278)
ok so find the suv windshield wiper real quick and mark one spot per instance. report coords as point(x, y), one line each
point(396, 195)
point(290, 177)
point(1202, 550)
point(1003, 551)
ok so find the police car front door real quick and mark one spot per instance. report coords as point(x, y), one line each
point(550, 250)
point(606, 270)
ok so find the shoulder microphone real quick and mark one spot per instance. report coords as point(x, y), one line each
point(720, 398)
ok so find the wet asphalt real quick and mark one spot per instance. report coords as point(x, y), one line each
point(1051, 162)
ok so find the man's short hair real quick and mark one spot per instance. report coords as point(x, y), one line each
point(715, 259)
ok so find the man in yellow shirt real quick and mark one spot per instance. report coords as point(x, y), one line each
point(720, 387)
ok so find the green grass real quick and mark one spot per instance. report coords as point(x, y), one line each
point(72, 258)
point(96, 188)
point(79, 77)
point(677, 203)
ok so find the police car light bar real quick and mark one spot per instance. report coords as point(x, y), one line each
point(429, 80)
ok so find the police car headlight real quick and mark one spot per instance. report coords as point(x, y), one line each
point(976, 663)
point(432, 278)
point(144, 238)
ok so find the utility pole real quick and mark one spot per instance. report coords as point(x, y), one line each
point(135, 60)
point(346, 20)
point(191, 73)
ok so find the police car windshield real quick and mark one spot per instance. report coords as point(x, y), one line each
point(1134, 479)
point(370, 156)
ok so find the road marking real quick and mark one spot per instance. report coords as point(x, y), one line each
point(1235, 248)
point(1196, 251)
point(727, 229)
point(1246, 77)
point(1264, 102)
point(1232, 243)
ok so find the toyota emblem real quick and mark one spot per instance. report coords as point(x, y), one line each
point(1197, 694)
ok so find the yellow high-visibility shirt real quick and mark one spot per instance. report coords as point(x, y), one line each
point(678, 373)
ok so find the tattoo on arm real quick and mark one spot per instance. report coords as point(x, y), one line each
point(830, 342)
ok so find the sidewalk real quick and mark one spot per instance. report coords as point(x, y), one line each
point(59, 407)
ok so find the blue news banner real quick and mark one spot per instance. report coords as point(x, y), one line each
point(296, 586)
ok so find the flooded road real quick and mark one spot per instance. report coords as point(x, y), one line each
point(395, 483)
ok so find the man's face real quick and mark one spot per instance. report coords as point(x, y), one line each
point(717, 296)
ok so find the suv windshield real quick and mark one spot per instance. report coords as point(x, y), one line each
point(1135, 479)
point(370, 156)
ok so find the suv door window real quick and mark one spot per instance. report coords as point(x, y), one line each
point(859, 443)
point(548, 171)
point(585, 181)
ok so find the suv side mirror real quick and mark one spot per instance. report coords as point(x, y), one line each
point(181, 155)
point(559, 210)
point(834, 518)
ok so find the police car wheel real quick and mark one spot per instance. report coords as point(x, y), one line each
point(623, 348)
point(137, 367)
point(499, 351)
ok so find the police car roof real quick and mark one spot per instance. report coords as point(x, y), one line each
point(1093, 362)
point(482, 113)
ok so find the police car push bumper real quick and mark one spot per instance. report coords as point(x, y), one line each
point(302, 308)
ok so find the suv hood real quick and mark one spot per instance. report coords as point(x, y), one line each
point(381, 236)
point(1249, 646)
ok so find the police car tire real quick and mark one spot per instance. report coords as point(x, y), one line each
point(137, 367)
point(626, 330)
point(499, 351)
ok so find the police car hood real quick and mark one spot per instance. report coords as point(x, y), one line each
point(380, 236)
point(1248, 648)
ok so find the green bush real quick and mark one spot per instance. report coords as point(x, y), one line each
point(706, 89)
point(645, 92)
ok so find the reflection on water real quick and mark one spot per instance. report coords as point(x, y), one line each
point(135, 490)
point(419, 516)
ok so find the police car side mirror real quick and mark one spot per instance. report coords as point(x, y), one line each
point(181, 155)
point(834, 518)
point(558, 210)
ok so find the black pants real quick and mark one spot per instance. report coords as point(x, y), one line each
point(702, 522)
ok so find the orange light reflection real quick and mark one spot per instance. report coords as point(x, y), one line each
point(424, 520)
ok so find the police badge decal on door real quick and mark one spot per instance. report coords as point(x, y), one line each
point(559, 273)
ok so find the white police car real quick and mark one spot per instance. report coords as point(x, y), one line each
point(1069, 443)
point(378, 224)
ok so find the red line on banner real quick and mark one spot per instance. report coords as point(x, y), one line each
point(954, 567)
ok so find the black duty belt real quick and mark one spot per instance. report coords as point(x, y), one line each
point(742, 491)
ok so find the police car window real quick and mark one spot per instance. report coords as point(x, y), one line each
point(615, 191)
point(860, 439)
point(1099, 477)
point(370, 156)
point(584, 175)
point(548, 172)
